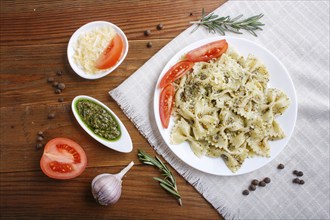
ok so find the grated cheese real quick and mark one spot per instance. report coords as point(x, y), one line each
point(89, 46)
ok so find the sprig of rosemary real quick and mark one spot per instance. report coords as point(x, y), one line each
point(169, 182)
point(214, 23)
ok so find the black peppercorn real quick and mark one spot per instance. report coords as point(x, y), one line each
point(296, 180)
point(160, 27)
point(252, 187)
point(267, 180)
point(61, 86)
point(147, 32)
point(39, 145)
point(51, 115)
point(40, 138)
point(262, 183)
point(50, 79)
point(255, 182)
point(149, 44)
point(280, 166)
point(245, 192)
point(300, 173)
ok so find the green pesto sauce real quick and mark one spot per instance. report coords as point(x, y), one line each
point(98, 119)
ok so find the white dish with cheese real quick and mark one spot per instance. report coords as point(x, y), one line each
point(88, 43)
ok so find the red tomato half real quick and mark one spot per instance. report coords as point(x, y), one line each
point(63, 159)
point(110, 56)
point(208, 51)
point(165, 104)
point(176, 72)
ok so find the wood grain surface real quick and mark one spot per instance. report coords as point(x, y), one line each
point(33, 40)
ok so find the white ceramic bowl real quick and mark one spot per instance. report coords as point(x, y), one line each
point(87, 27)
point(122, 144)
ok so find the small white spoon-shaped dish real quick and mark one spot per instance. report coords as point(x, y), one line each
point(88, 27)
point(121, 144)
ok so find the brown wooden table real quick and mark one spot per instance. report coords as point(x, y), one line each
point(33, 39)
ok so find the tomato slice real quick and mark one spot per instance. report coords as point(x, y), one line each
point(165, 104)
point(208, 51)
point(63, 159)
point(176, 72)
point(110, 56)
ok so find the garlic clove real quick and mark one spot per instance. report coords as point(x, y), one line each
point(106, 188)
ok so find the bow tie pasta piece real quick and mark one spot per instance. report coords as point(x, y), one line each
point(180, 132)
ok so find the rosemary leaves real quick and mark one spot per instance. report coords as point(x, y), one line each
point(216, 24)
point(169, 182)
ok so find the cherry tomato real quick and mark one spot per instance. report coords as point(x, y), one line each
point(165, 104)
point(208, 51)
point(110, 56)
point(176, 72)
point(63, 159)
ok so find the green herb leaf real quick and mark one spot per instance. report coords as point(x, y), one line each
point(215, 24)
point(164, 182)
point(169, 181)
point(169, 190)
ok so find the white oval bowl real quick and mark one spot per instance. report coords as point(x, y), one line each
point(122, 144)
point(88, 27)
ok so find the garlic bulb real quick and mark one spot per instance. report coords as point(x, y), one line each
point(106, 188)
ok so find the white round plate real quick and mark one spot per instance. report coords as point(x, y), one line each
point(279, 78)
point(122, 144)
point(88, 27)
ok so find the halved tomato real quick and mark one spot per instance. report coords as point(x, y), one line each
point(176, 72)
point(110, 56)
point(63, 159)
point(208, 51)
point(166, 101)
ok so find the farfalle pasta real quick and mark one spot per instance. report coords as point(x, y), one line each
point(224, 108)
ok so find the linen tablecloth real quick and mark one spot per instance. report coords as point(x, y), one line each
point(297, 32)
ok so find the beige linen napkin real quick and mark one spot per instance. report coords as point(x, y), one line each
point(297, 32)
